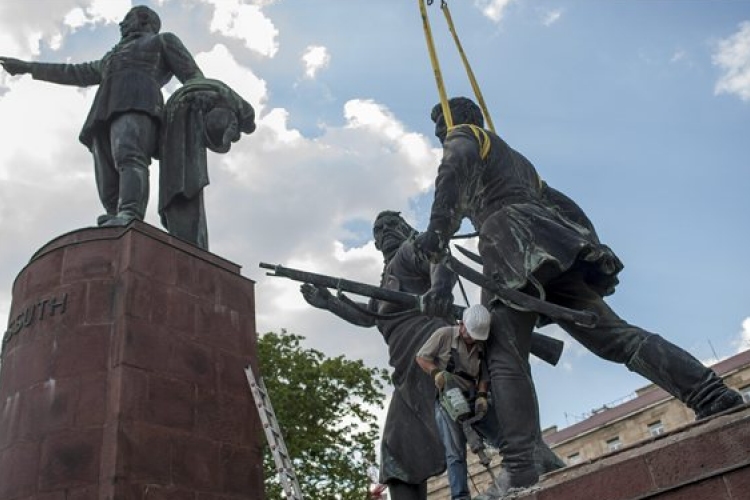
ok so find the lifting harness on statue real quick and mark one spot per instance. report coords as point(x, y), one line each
point(436, 64)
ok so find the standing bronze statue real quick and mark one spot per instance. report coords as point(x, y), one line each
point(125, 125)
point(534, 240)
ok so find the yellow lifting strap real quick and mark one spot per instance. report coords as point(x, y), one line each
point(469, 72)
point(482, 138)
point(436, 64)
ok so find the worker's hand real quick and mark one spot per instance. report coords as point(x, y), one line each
point(430, 245)
point(440, 380)
point(316, 296)
point(480, 405)
point(15, 66)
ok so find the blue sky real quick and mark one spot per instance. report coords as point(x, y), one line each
point(639, 110)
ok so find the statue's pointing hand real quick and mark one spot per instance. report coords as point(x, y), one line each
point(15, 66)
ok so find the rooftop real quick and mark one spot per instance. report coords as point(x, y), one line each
point(645, 397)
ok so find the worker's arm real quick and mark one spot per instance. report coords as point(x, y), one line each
point(427, 365)
point(434, 354)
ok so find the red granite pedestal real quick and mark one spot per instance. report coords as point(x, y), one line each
point(704, 461)
point(122, 373)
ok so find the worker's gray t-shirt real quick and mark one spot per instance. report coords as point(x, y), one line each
point(468, 359)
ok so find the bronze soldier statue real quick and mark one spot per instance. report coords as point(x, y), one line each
point(538, 241)
point(411, 450)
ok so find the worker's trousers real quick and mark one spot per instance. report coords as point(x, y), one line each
point(454, 442)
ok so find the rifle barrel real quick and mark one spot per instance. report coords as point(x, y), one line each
point(375, 292)
point(545, 348)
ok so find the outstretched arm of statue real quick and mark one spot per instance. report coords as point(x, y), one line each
point(15, 66)
point(80, 74)
point(322, 298)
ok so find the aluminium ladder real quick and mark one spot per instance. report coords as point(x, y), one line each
point(273, 435)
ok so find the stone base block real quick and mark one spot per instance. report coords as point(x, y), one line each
point(703, 461)
point(122, 373)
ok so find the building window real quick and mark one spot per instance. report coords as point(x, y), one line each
point(614, 444)
point(656, 428)
point(574, 458)
point(745, 391)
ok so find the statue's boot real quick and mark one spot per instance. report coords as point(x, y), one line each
point(683, 376)
point(103, 219)
point(546, 460)
point(134, 192)
point(523, 456)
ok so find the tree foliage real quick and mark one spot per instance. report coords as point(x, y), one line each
point(325, 407)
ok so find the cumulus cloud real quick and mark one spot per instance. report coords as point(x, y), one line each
point(246, 22)
point(369, 115)
point(732, 55)
point(106, 11)
point(24, 26)
point(315, 58)
point(493, 9)
point(219, 63)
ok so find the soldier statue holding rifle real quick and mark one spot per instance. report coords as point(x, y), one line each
point(411, 450)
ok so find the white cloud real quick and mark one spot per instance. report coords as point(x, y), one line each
point(744, 342)
point(493, 9)
point(246, 22)
point(551, 16)
point(733, 57)
point(109, 11)
point(370, 115)
point(76, 18)
point(315, 58)
point(104, 11)
point(220, 64)
point(25, 26)
point(57, 131)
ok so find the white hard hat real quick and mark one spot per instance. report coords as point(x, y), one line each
point(477, 321)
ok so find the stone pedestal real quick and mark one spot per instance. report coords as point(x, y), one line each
point(704, 461)
point(122, 373)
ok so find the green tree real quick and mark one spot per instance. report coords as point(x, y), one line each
point(325, 407)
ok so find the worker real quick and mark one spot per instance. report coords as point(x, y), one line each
point(457, 353)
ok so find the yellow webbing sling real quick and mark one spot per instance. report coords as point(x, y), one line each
point(435, 64)
point(467, 66)
point(479, 133)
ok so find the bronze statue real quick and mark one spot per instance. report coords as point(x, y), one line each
point(202, 114)
point(126, 122)
point(540, 242)
point(411, 450)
